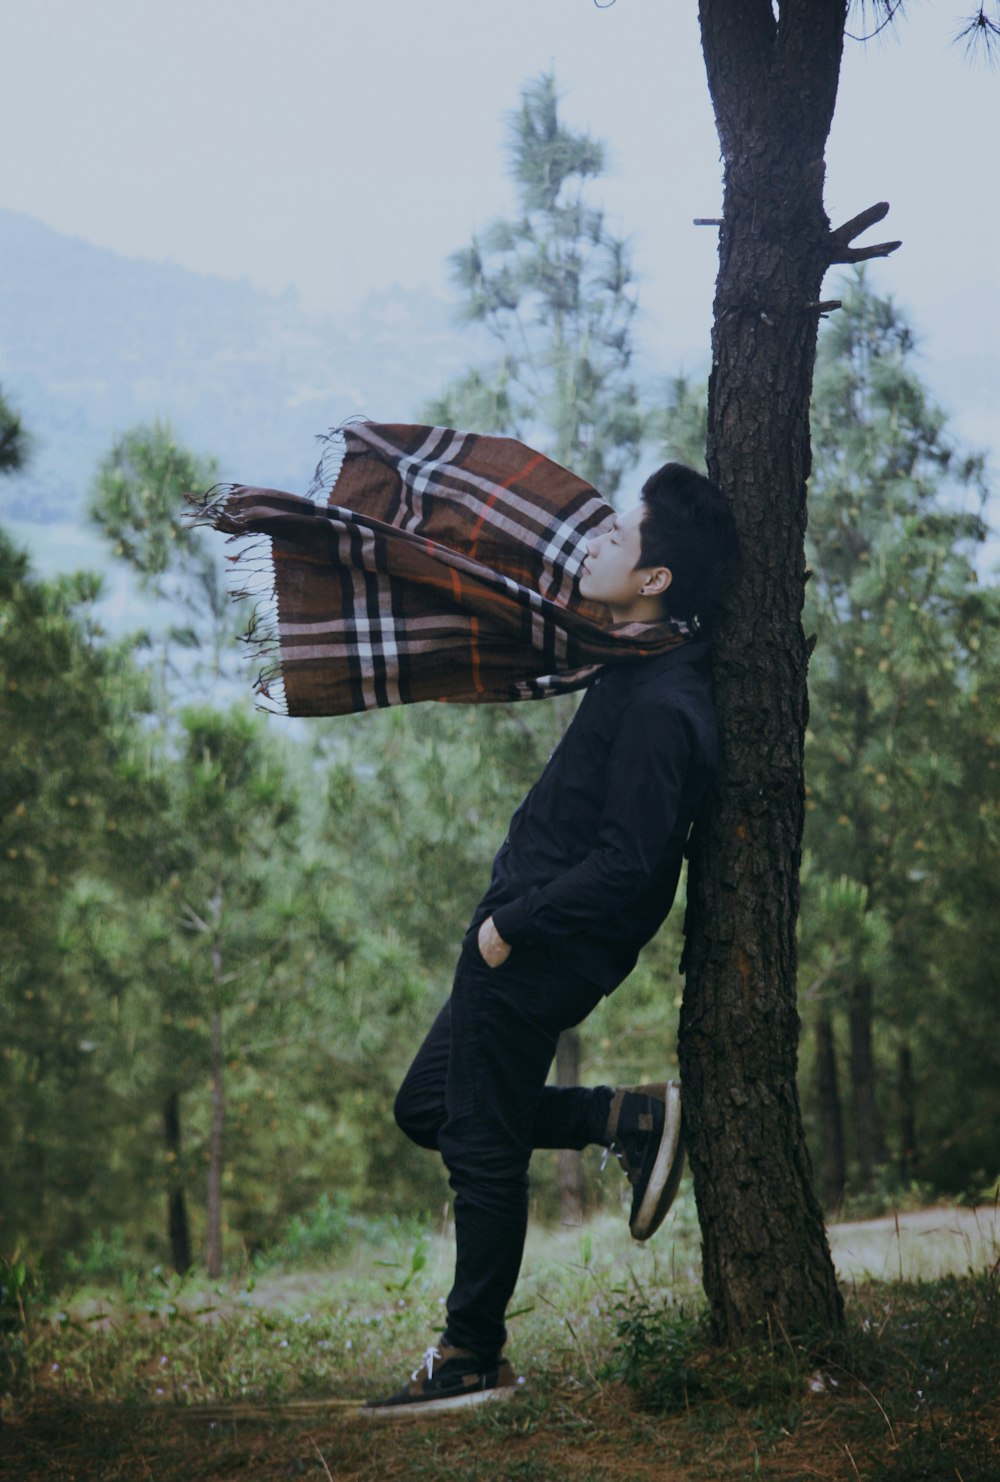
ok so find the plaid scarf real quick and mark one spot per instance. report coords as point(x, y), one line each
point(443, 568)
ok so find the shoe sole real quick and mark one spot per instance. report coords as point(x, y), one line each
point(429, 1408)
point(665, 1177)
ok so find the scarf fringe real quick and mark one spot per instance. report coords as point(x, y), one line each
point(210, 509)
point(249, 578)
point(334, 445)
point(250, 571)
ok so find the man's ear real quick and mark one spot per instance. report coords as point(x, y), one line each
point(656, 582)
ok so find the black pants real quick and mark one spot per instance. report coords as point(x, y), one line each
point(476, 1093)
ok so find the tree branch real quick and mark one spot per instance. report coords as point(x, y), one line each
point(839, 241)
point(890, 10)
point(190, 918)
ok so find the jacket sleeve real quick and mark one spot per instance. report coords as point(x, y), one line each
point(647, 769)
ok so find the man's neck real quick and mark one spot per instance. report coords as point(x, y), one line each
point(642, 610)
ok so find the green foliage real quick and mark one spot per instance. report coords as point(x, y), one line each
point(105, 1257)
point(901, 794)
point(656, 1347)
point(151, 882)
point(901, 754)
point(15, 1283)
point(14, 441)
point(138, 501)
point(680, 424)
point(555, 288)
point(329, 1227)
point(319, 1231)
point(842, 936)
point(20, 1288)
point(348, 1321)
point(914, 1365)
point(901, 766)
point(66, 710)
point(907, 1390)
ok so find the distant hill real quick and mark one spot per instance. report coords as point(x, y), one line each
point(92, 343)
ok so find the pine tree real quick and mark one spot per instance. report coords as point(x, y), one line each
point(892, 804)
point(65, 714)
point(554, 286)
point(14, 443)
point(137, 501)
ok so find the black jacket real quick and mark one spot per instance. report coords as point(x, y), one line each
point(590, 865)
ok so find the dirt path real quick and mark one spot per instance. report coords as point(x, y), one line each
point(921, 1243)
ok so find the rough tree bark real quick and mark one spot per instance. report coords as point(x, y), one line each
point(773, 81)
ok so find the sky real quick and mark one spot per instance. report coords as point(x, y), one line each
point(339, 147)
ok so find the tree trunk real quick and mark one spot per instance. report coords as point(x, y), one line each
point(869, 1137)
point(570, 1175)
point(177, 1219)
point(213, 1252)
point(833, 1177)
point(907, 1113)
point(766, 1262)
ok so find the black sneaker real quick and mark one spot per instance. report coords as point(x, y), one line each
point(644, 1133)
point(448, 1379)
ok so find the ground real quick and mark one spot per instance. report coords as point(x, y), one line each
point(622, 1384)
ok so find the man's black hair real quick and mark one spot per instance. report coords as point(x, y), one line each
point(688, 528)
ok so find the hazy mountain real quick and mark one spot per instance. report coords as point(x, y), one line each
point(92, 342)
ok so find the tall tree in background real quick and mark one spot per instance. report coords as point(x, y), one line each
point(64, 724)
point(137, 501)
point(64, 720)
point(772, 74)
point(238, 812)
point(13, 439)
point(554, 287)
point(900, 758)
point(894, 786)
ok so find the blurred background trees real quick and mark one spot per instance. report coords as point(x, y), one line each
point(221, 940)
point(901, 792)
point(554, 286)
point(901, 773)
point(13, 440)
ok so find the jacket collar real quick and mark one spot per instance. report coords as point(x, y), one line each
point(694, 651)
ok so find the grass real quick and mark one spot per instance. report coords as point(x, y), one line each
point(186, 1380)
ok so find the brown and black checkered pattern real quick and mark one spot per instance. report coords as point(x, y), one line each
point(443, 568)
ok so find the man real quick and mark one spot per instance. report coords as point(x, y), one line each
point(584, 878)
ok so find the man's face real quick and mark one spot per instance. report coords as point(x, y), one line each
point(610, 574)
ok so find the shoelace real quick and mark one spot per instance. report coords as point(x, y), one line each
point(614, 1152)
point(427, 1362)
